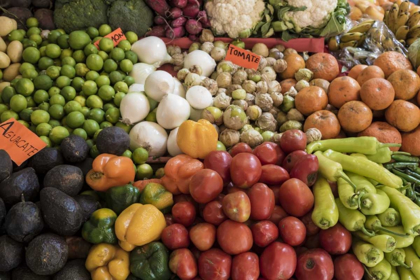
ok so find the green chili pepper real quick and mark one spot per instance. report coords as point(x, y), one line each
point(416, 245)
point(351, 219)
point(397, 258)
point(366, 253)
point(409, 211)
point(402, 241)
point(411, 259)
point(347, 194)
point(405, 158)
point(374, 203)
point(325, 212)
point(411, 173)
point(415, 168)
point(390, 218)
point(404, 176)
point(381, 271)
point(366, 168)
point(383, 242)
point(394, 274)
point(385, 155)
point(362, 184)
point(373, 223)
point(391, 165)
point(365, 145)
point(405, 274)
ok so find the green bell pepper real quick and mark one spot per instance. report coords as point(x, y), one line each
point(119, 198)
point(100, 227)
point(150, 262)
point(158, 196)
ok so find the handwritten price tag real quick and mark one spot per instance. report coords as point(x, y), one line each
point(18, 141)
point(116, 36)
point(242, 57)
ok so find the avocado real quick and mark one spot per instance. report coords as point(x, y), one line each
point(24, 221)
point(113, 140)
point(2, 213)
point(22, 182)
point(74, 149)
point(78, 247)
point(73, 270)
point(6, 165)
point(45, 160)
point(85, 165)
point(88, 204)
point(24, 273)
point(47, 254)
point(5, 276)
point(11, 253)
point(60, 211)
point(67, 178)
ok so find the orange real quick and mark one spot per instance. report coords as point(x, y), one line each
point(404, 115)
point(406, 83)
point(355, 116)
point(390, 62)
point(377, 93)
point(294, 63)
point(410, 142)
point(370, 72)
point(355, 71)
point(324, 66)
point(287, 84)
point(324, 121)
point(342, 90)
point(311, 99)
point(384, 132)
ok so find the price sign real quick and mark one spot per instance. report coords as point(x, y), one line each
point(116, 36)
point(242, 57)
point(18, 141)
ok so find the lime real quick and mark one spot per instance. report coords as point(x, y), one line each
point(140, 155)
point(92, 75)
point(115, 77)
point(85, 111)
point(45, 62)
point(31, 55)
point(81, 69)
point(43, 82)
point(77, 83)
point(121, 86)
point(151, 117)
point(125, 45)
point(68, 71)
point(90, 49)
point(33, 31)
point(108, 106)
point(56, 111)
point(36, 38)
point(94, 62)
point(106, 45)
point(93, 152)
point(30, 73)
point(75, 119)
point(144, 171)
point(78, 39)
point(30, 101)
point(29, 43)
point(54, 91)
point(58, 133)
point(44, 106)
point(62, 81)
point(81, 100)
point(79, 56)
point(68, 60)
point(118, 98)
point(106, 124)
point(18, 103)
point(63, 41)
point(110, 65)
point(91, 126)
point(14, 82)
point(42, 51)
point(127, 153)
point(97, 115)
point(53, 72)
point(102, 80)
point(129, 80)
point(25, 66)
point(124, 126)
point(126, 65)
point(6, 115)
point(25, 114)
point(24, 123)
point(68, 92)
point(131, 37)
point(66, 53)
point(90, 88)
point(41, 96)
point(103, 54)
point(57, 99)
point(89, 142)
point(4, 107)
point(106, 93)
point(94, 101)
point(95, 136)
point(32, 22)
point(46, 140)
point(7, 94)
point(15, 35)
point(53, 50)
point(112, 115)
point(131, 56)
point(117, 54)
point(92, 32)
point(72, 106)
point(43, 129)
point(53, 36)
point(80, 132)
point(104, 29)
point(39, 116)
point(25, 86)
point(54, 123)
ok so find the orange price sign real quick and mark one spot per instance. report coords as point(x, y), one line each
point(18, 141)
point(242, 57)
point(116, 36)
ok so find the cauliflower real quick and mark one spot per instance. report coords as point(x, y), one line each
point(237, 18)
point(316, 15)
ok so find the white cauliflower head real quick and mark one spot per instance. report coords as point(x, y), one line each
point(316, 13)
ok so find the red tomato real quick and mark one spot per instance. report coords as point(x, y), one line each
point(245, 170)
point(203, 236)
point(306, 170)
point(169, 219)
point(278, 261)
point(245, 267)
point(219, 161)
point(278, 214)
point(185, 197)
point(315, 264)
point(175, 236)
point(213, 213)
point(296, 198)
point(264, 233)
point(276, 193)
point(205, 185)
point(240, 148)
point(214, 264)
point(184, 213)
point(183, 264)
point(335, 240)
point(234, 238)
point(311, 228)
point(291, 159)
point(293, 140)
point(348, 267)
point(237, 206)
point(269, 153)
point(262, 201)
point(292, 231)
point(312, 242)
point(272, 174)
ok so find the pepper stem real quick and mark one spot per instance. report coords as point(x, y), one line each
point(404, 265)
point(390, 145)
point(347, 179)
point(401, 153)
point(367, 232)
point(390, 231)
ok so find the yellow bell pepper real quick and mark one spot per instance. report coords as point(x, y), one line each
point(197, 139)
point(108, 262)
point(138, 225)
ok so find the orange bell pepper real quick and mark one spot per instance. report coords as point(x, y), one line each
point(110, 171)
point(178, 173)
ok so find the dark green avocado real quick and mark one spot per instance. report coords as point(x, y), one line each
point(74, 149)
point(73, 270)
point(23, 182)
point(67, 178)
point(11, 253)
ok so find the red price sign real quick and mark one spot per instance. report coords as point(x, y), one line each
point(242, 57)
point(116, 36)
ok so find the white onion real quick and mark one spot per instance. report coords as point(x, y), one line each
point(134, 108)
point(151, 50)
point(195, 114)
point(158, 84)
point(151, 136)
point(141, 71)
point(179, 88)
point(199, 97)
point(202, 59)
point(136, 88)
point(173, 148)
point(172, 111)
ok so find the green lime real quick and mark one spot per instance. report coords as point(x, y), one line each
point(44, 106)
point(93, 152)
point(62, 81)
point(32, 22)
point(68, 71)
point(32, 128)
point(24, 123)
point(108, 106)
point(106, 93)
point(79, 56)
point(25, 114)
point(90, 49)
point(36, 38)
point(110, 65)
point(66, 53)
point(90, 143)
point(90, 88)
point(75, 119)
point(126, 65)
point(58, 133)
point(78, 39)
point(106, 124)
point(53, 36)
point(6, 115)
point(72, 106)
point(103, 54)
point(43, 129)
point(94, 62)
point(140, 155)
point(46, 140)
point(92, 32)
point(57, 99)
point(45, 62)
point(102, 81)
point(81, 69)
point(30, 101)
point(25, 86)
point(31, 55)
point(18, 103)
point(63, 41)
point(7, 94)
point(81, 100)
point(125, 45)
point(42, 51)
point(124, 126)
point(54, 91)
point(104, 29)
point(56, 111)
point(97, 115)
point(68, 92)
point(127, 153)
point(53, 72)
point(129, 80)
point(30, 74)
point(117, 54)
point(91, 126)
point(14, 82)
point(144, 171)
point(39, 116)
point(33, 31)
point(29, 43)
point(151, 117)
point(25, 66)
point(68, 60)
point(115, 77)
point(53, 50)
point(118, 98)
point(112, 115)
point(4, 107)
point(92, 75)
point(121, 86)
point(43, 82)
point(131, 56)
point(80, 132)
point(54, 123)
point(40, 96)
point(77, 83)
point(15, 35)
point(106, 45)
point(131, 37)
point(85, 111)
point(94, 101)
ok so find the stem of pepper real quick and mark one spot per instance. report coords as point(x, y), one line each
point(96, 175)
point(390, 231)
point(404, 265)
point(367, 232)
point(343, 176)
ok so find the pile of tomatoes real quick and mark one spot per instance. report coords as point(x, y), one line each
point(248, 216)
